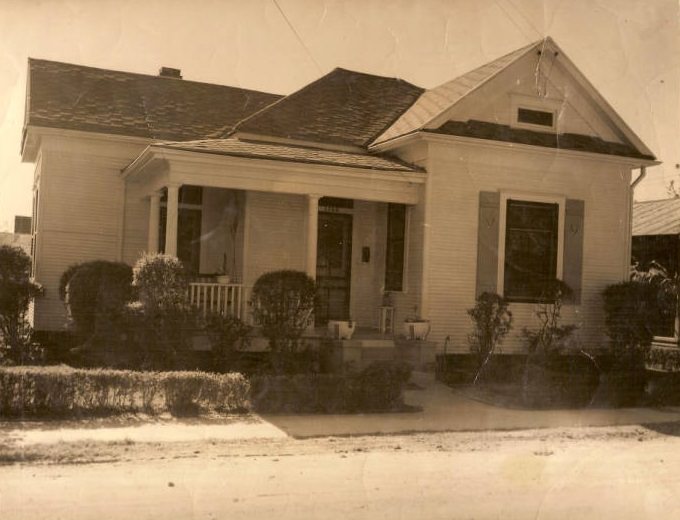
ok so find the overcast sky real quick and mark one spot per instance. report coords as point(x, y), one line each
point(629, 49)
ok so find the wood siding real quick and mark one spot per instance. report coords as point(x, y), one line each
point(81, 213)
point(459, 172)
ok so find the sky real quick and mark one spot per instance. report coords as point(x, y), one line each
point(629, 49)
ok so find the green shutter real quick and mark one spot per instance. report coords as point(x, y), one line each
point(573, 246)
point(487, 241)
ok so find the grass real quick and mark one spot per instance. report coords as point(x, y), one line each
point(86, 452)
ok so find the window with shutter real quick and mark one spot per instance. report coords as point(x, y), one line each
point(531, 240)
point(524, 240)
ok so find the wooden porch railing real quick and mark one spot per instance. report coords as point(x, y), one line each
point(225, 299)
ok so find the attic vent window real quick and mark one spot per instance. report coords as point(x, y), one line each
point(535, 117)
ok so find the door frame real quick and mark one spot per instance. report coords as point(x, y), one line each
point(347, 217)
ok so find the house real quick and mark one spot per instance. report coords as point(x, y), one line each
point(509, 175)
point(656, 238)
point(21, 237)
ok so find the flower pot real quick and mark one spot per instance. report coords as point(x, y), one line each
point(341, 329)
point(223, 278)
point(416, 330)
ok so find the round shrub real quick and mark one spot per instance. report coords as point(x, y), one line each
point(283, 305)
point(161, 281)
point(96, 295)
point(65, 278)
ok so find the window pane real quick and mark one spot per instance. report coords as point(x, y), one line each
point(396, 230)
point(535, 117)
point(530, 248)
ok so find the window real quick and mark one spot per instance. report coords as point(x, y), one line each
point(531, 249)
point(535, 117)
point(188, 226)
point(396, 246)
point(534, 112)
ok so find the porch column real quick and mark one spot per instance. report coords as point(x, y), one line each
point(312, 233)
point(171, 220)
point(154, 222)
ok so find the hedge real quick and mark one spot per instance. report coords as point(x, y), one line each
point(65, 391)
point(377, 388)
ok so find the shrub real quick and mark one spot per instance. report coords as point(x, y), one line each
point(631, 315)
point(667, 285)
point(549, 339)
point(96, 294)
point(16, 292)
point(65, 278)
point(377, 388)
point(492, 321)
point(161, 281)
point(162, 322)
point(539, 383)
point(380, 386)
point(283, 303)
point(227, 335)
point(65, 391)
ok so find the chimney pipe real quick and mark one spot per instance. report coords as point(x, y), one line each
point(169, 72)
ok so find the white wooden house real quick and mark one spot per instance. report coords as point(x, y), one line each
point(516, 172)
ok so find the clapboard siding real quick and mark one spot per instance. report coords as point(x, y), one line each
point(64, 249)
point(135, 224)
point(459, 172)
point(369, 230)
point(276, 233)
point(81, 213)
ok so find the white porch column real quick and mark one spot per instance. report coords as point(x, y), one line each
point(171, 220)
point(312, 233)
point(154, 222)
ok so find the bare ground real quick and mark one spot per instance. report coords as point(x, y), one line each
point(596, 472)
point(13, 451)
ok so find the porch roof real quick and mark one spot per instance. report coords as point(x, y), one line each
point(298, 154)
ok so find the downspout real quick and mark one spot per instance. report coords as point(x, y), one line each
point(629, 251)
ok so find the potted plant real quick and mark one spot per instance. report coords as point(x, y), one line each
point(415, 327)
point(341, 329)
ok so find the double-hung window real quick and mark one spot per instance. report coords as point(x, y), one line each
point(531, 246)
point(396, 247)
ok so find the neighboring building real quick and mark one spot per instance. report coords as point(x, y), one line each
point(21, 236)
point(656, 234)
point(512, 174)
point(656, 238)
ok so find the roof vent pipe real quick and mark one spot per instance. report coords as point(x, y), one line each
point(169, 72)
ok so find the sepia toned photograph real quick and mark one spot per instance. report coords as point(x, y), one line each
point(328, 259)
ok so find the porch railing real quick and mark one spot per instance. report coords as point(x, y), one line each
point(225, 299)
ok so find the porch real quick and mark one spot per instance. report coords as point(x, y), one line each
point(343, 217)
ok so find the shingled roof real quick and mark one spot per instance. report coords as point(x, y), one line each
point(656, 217)
point(62, 95)
point(298, 154)
point(343, 107)
point(436, 100)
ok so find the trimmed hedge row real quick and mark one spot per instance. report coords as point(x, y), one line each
point(377, 388)
point(65, 391)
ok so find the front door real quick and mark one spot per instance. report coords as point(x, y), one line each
point(333, 266)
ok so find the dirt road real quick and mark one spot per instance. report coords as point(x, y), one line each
point(622, 472)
